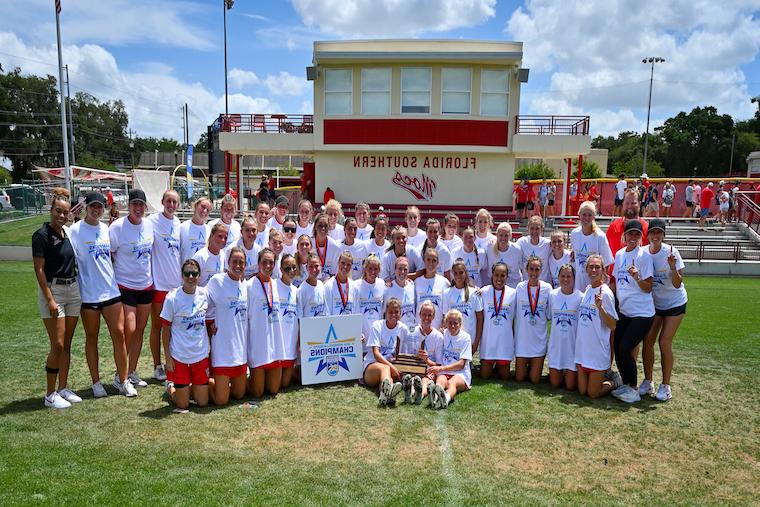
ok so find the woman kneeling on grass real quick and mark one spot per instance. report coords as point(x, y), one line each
point(563, 313)
point(185, 339)
point(597, 319)
point(228, 329)
point(497, 344)
point(453, 375)
point(382, 342)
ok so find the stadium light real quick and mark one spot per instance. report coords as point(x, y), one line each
point(651, 60)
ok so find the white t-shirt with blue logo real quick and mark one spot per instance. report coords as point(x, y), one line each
point(187, 315)
point(166, 252)
point(498, 340)
point(132, 246)
point(192, 237)
point(431, 289)
point(632, 301)
point(385, 339)
point(584, 246)
point(454, 348)
point(228, 308)
point(92, 249)
point(405, 295)
point(210, 264)
point(592, 344)
point(454, 299)
point(665, 295)
point(563, 312)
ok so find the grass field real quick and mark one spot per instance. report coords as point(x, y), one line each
point(19, 232)
point(498, 444)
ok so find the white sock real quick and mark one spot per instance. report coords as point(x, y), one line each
point(448, 398)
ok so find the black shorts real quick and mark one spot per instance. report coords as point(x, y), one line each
point(618, 202)
point(551, 202)
point(520, 205)
point(133, 298)
point(689, 204)
point(103, 304)
point(670, 312)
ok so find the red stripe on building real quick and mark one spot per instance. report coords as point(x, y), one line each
point(416, 131)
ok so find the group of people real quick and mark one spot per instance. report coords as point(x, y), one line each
point(225, 298)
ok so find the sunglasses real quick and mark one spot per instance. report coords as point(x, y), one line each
point(288, 269)
point(289, 229)
point(191, 274)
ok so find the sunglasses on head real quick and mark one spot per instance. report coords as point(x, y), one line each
point(191, 274)
point(289, 229)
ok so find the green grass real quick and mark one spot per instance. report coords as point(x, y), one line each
point(497, 444)
point(19, 232)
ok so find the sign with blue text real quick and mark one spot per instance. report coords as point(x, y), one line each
point(331, 349)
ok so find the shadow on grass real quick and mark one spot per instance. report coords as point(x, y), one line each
point(36, 403)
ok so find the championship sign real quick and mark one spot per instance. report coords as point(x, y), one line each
point(331, 349)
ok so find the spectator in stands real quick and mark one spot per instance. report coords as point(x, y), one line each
point(593, 196)
point(653, 200)
point(697, 199)
point(550, 199)
point(620, 188)
point(329, 194)
point(668, 194)
point(521, 198)
point(705, 201)
point(543, 197)
point(109, 197)
point(689, 196)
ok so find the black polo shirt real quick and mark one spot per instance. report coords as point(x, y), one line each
point(57, 252)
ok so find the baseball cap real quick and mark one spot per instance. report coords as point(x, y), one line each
point(656, 223)
point(644, 176)
point(95, 197)
point(633, 225)
point(281, 200)
point(137, 195)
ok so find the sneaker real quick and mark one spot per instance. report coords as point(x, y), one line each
point(98, 391)
point(417, 386)
point(117, 382)
point(159, 373)
point(646, 387)
point(69, 395)
point(630, 395)
point(432, 395)
point(385, 388)
point(440, 397)
point(620, 390)
point(396, 388)
point(54, 400)
point(614, 377)
point(406, 383)
point(664, 393)
point(128, 390)
point(136, 380)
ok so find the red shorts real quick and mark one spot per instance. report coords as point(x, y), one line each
point(284, 363)
point(184, 374)
point(159, 296)
point(495, 362)
point(588, 370)
point(229, 371)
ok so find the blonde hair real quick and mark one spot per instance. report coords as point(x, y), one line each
point(334, 203)
point(591, 207)
point(217, 226)
point(535, 219)
point(557, 234)
point(453, 314)
point(482, 212)
point(503, 225)
point(427, 304)
point(199, 200)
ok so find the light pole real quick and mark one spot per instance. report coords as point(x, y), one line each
point(651, 60)
point(226, 5)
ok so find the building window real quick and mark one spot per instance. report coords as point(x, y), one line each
point(376, 91)
point(456, 85)
point(494, 92)
point(338, 85)
point(415, 90)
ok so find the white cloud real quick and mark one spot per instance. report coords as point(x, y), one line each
point(257, 17)
point(388, 18)
point(592, 52)
point(306, 107)
point(240, 78)
point(285, 83)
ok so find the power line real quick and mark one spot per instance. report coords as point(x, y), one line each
point(21, 90)
point(37, 154)
point(35, 125)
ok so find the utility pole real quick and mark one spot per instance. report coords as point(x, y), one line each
point(71, 116)
point(66, 166)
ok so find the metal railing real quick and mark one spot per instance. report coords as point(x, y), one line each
point(283, 123)
point(552, 125)
point(748, 209)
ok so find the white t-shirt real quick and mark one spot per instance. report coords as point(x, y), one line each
point(620, 187)
point(444, 257)
point(455, 348)
point(166, 255)
point(555, 264)
point(370, 302)
point(585, 246)
point(228, 308)
point(334, 301)
point(665, 295)
point(359, 253)
point(132, 246)
point(531, 334)
point(385, 339)
point(233, 230)
point(92, 249)
point(434, 346)
point(328, 256)
point(187, 314)
point(563, 312)
point(192, 237)
point(592, 344)
point(251, 257)
point(364, 233)
point(262, 238)
point(264, 336)
point(405, 295)
point(431, 289)
point(512, 258)
point(452, 244)
point(311, 300)
point(379, 250)
point(210, 264)
point(308, 230)
point(288, 295)
point(542, 250)
point(484, 243)
point(498, 340)
point(454, 299)
point(632, 301)
point(337, 234)
point(272, 222)
point(476, 263)
point(415, 337)
point(417, 240)
point(388, 265)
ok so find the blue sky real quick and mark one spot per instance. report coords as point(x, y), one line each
point(585, 57)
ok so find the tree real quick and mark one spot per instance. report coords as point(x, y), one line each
point(101, 131)
point(202, 144)
point(591, 170)
point(535, 171)
point(634, 166)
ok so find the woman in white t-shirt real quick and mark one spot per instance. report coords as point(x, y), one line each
point(497, 342)
point(432, 231)
point(363, 216)
point(400, 248)
point(210, 258)
point(427, 342)
point(597, 320)
point(460, 296)
point(669, 294)
point(99, 292)
point(185, 339)
point(193, 233)
point(311, 293)
point(474, 258)
point(414, 237)
point(303, 249)
point(453, 375)
point(286, 352)
point(341, 292)
point(558, 257)
point(585, 240)
point(564, 302)
point(430, 286)
point(503, 250)
point(378, 243)
point(289, 244)
point(247, 243)
point(334, 212)
point(228, 330)
point(327, 248)
point(131, 249)
point(402, 288)
point(450, 236)
point(382, 344)
point(371, 293)
point(166, 264)
point(531, 318)
point(228, 212)
point(483, 225)
point(535, 245)
point(305, 214)
point(262, 229)
point(357, 248)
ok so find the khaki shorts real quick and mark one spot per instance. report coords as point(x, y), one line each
point(66, 296)
point(653, 206)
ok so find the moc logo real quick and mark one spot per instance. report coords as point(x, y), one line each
point(421, 188)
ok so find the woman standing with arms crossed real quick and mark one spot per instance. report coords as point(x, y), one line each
point(100, 293)
point(58, 299)
point(131, 249)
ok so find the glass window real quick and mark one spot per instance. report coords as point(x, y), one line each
point(338, 85)
point(376, 91)
point(456, 85)
point(415, 90)
point(494, 92)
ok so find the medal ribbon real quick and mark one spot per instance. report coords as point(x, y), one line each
point(496, 308)
point(323, 254)
point(268, 294)
point(533, 302)
point(343, 295)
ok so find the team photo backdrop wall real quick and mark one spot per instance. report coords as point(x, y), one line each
point(331, 349)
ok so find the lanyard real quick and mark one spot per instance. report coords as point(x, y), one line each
point(343, 295)
point(496, 308)
point(270, 303)
point(533, 302)
point(323, 254)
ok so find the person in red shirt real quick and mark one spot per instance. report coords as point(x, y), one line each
point(705, 202)
point(109, 197)
point(617, 227)
point(521, 199)
point(593, 196)
point(329, 194)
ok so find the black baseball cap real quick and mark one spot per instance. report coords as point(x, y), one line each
point(634, 225)
point(95, 197)
point(656, 223)
point(281, 200)
point(137, 194)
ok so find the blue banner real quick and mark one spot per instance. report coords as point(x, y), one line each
point(189, 164)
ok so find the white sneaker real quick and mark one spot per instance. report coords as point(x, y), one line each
point(396, 388)
point(664, 393)
point(618, 391)
point(646, 387)
point(406, 383)
point(159, 372)
point(417, 386)
point(385, 388)
point(631, 395)
point(136, 380)
point(440, 397)
point(432, 395)
point(128, 390)
point(98, 391)
point(69, 395)
point(54, 400)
